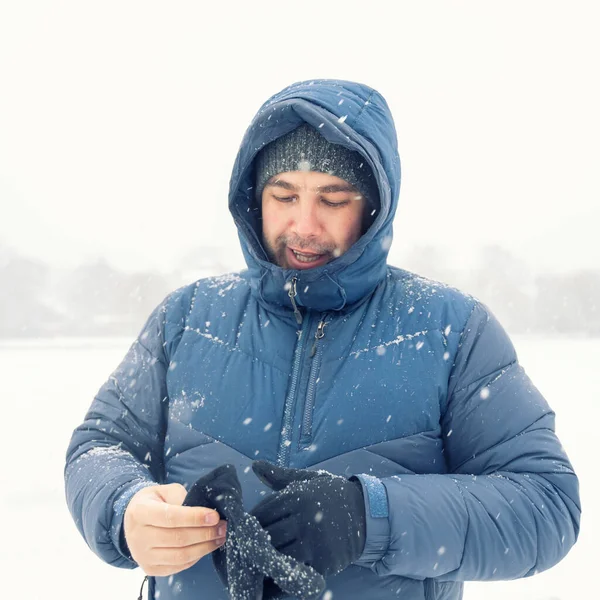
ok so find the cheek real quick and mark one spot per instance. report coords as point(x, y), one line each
point(274, 221)
point(272, 225)
point(350, 229)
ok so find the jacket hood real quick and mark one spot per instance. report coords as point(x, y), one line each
point(357, 117)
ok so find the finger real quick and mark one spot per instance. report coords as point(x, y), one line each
point(271, 510)
point(178, 537)
point(182, 556)
point(283, 533)
point(161, 514)
point(267, 505)
point(277, 477)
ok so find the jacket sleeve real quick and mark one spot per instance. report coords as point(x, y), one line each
point(509, 505)
point(118, 448)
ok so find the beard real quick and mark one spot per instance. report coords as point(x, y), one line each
point(277, 251)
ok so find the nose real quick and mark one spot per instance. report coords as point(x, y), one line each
point(307, 220)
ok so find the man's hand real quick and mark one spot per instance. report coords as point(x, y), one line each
point(315, 517)
point(165, 537)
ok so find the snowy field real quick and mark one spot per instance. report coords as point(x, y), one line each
point(48, 386)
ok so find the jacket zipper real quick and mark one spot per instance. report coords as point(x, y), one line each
point(292, 295)
point(316, 354)
point(283, 453)
point(319, 335)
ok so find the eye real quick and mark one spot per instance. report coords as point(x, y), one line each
point(284, 198)
point(335, 204)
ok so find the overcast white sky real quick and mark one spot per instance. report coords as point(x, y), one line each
point(120, 121)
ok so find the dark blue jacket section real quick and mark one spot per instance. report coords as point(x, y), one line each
point(415, 387)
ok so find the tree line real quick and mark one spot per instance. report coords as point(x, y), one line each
point(97, 299)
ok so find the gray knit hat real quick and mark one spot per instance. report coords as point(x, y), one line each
point(304, 149)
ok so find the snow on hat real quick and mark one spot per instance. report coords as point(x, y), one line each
point(304, 149)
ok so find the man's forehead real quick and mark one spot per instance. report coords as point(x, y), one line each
point(315, 181)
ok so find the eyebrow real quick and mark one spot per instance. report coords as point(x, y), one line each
point(332, 189)
point(281, 183)
point(324, 189)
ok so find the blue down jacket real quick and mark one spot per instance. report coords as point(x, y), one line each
point(406, 382)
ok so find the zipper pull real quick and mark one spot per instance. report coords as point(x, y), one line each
point(292, 295)
point(142, 588)
point(319, 334)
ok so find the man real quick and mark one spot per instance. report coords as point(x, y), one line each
point(320, 356)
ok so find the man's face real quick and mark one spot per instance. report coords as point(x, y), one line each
point(309, 218)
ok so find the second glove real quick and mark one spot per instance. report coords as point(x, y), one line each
point(248, 557)
point(314, 516)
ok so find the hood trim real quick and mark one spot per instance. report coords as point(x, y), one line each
point(345, 280)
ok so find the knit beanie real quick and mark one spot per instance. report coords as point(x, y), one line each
point(304, 149)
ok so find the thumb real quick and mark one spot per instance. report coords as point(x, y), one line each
point(277, 477)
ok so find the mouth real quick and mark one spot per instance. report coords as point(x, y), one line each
point(305, 260)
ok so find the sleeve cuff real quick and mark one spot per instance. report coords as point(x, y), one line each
point(377, 521)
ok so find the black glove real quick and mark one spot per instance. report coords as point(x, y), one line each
point(315, 517)
point(248, 556)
